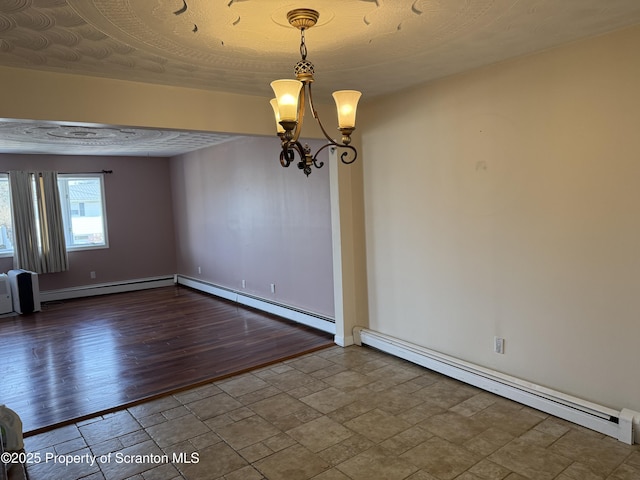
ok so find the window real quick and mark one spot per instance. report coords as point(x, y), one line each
point(83, 209)
point(82, 201)
point(6, 230)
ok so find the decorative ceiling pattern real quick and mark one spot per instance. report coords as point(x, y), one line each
point(27, 137)
point(240, 46)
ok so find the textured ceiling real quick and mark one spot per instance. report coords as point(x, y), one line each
point(239, 46)
point(27, 137)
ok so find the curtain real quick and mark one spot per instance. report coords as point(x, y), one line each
point(25, 242)
point(53, 248)
point(38, 225)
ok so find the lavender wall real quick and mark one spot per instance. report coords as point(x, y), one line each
point(240, 216)
point(139, 217)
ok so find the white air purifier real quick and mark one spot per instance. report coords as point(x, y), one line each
point(6, 305)
point(25, 291)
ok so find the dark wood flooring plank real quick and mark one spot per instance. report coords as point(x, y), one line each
point(90, 356)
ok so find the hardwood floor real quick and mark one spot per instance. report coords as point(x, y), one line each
point(84, 357)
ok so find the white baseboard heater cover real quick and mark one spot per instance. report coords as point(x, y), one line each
point(284, 311)
point(315, 321)
point(617, 424)
point(107, 288)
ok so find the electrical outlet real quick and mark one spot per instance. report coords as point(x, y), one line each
point(92, 275)
point(244, 284)
point(498, 345)
point(199, 270)
point(273, 288)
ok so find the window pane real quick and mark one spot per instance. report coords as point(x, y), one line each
point(6, 233)
point(83, 210)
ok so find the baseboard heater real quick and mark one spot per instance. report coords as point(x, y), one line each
point(107, 288)
point(618, 424)
point(285, 311)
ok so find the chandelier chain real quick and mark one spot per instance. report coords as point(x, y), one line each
point(303, 46)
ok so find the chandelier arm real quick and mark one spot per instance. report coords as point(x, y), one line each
point(343, 155)
point(289, 149)
point(301, 109)
point(286, 156)
point(315, 115)
point(297, 146)
point(315, 157)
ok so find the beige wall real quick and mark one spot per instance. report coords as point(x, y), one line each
point(33, 94)
point(352, 231)
point(240, 216)
point(139, 219)
point(509, 205)
point(39, 95)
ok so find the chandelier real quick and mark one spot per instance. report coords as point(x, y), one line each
point(289, 106)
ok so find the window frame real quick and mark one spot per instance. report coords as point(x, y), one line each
point(66, 212)
point(4, 176)
point(65, 206)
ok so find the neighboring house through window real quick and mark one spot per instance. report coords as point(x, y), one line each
point(82, 200)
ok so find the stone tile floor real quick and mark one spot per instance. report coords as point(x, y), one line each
point(337, 414)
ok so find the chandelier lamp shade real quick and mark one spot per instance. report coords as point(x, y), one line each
point(290, 101)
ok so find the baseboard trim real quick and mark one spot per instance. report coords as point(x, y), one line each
point(324, 324)
point(622, 425)
point(107, 288)
point(344, 341)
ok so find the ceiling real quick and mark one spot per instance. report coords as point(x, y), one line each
point(240, 46)
point(66, 138)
